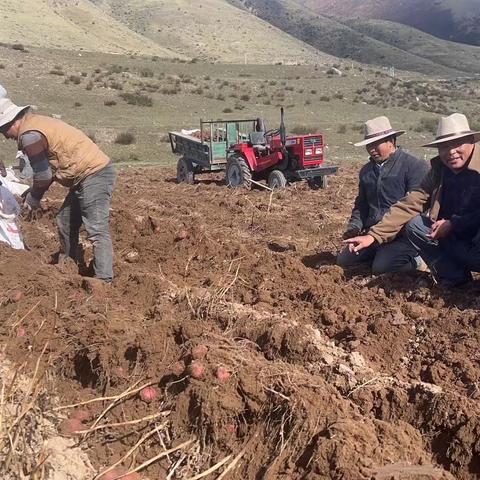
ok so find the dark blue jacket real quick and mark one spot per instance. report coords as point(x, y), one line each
point(380, 187)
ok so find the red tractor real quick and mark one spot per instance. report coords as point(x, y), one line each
point(250, 154)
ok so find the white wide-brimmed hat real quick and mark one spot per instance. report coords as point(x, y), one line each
point(376, 129)
point(451, 128)
point(8, 111)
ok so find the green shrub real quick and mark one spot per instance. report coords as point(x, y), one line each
point(137, 99)
point(342, 128)
point(169, 90)
point(227, 110)
point(324, 98)
point(427, 124)
point(146, 73)
point(109, 103)
point(245, 98)
point(125, 138)
point(19, 47)
point(116, 85)
point(74, 79)
point(302, 129)
point(114, 69)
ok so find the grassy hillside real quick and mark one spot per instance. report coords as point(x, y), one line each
point(454, 20)
point(338, 39)
point(449, 54)
point(210, 30)
point(72, 25)
point(129, 103)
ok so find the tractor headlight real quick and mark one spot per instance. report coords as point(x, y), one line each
point(308, 152)
point(318, 151)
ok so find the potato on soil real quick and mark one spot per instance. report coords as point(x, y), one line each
point(199, 352)
point(178, 367)
point(197, 369)
point(71, 426)
point(15, 296)
point(149, 394)
point(231, 428)
point(82, 414)
point(181, 235)
point(223, 374)
point(21, 332)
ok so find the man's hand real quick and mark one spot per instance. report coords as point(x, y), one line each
point(30, 203)
point(356, 244)
point(440, 229)
point(350, 233)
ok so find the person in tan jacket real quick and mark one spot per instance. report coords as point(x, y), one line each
point(441, 217)
point(61, 153)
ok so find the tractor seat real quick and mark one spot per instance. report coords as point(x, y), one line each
point(257, 139)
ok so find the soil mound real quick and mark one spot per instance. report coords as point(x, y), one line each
point(230, 345)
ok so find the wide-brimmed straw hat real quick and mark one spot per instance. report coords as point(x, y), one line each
point(376, 129)
point(8, 111)
point(451, 128)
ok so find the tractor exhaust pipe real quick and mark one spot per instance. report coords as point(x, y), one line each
point(283, 133)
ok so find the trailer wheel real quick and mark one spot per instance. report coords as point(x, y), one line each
point(185, 173)
point(238, 173)
point(277, 179)
point(318, 182)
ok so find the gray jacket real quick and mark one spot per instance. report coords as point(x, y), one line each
point(380, 187)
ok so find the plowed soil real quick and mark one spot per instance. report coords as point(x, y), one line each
point(327, 374)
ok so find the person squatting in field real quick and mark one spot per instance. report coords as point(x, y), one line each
point(440, 217)
point(387, 177)
point(59, 152)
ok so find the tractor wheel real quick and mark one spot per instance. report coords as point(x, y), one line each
point(185, 173)
point(238, 173)
point(318, 182)
point(277, 179)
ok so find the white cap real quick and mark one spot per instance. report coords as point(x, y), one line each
point(3, 92)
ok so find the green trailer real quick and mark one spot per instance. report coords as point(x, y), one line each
point(205, 149)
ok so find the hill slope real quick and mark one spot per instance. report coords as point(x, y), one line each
point(210, 30)
point(343, 39)
point(71, 25)
point(462, 57)
point(456, 20)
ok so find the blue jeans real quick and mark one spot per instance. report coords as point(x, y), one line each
point(89, 203)
point(451, 260)
point(396, 256)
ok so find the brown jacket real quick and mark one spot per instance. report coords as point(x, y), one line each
point(424, 199)
point(71, 154)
